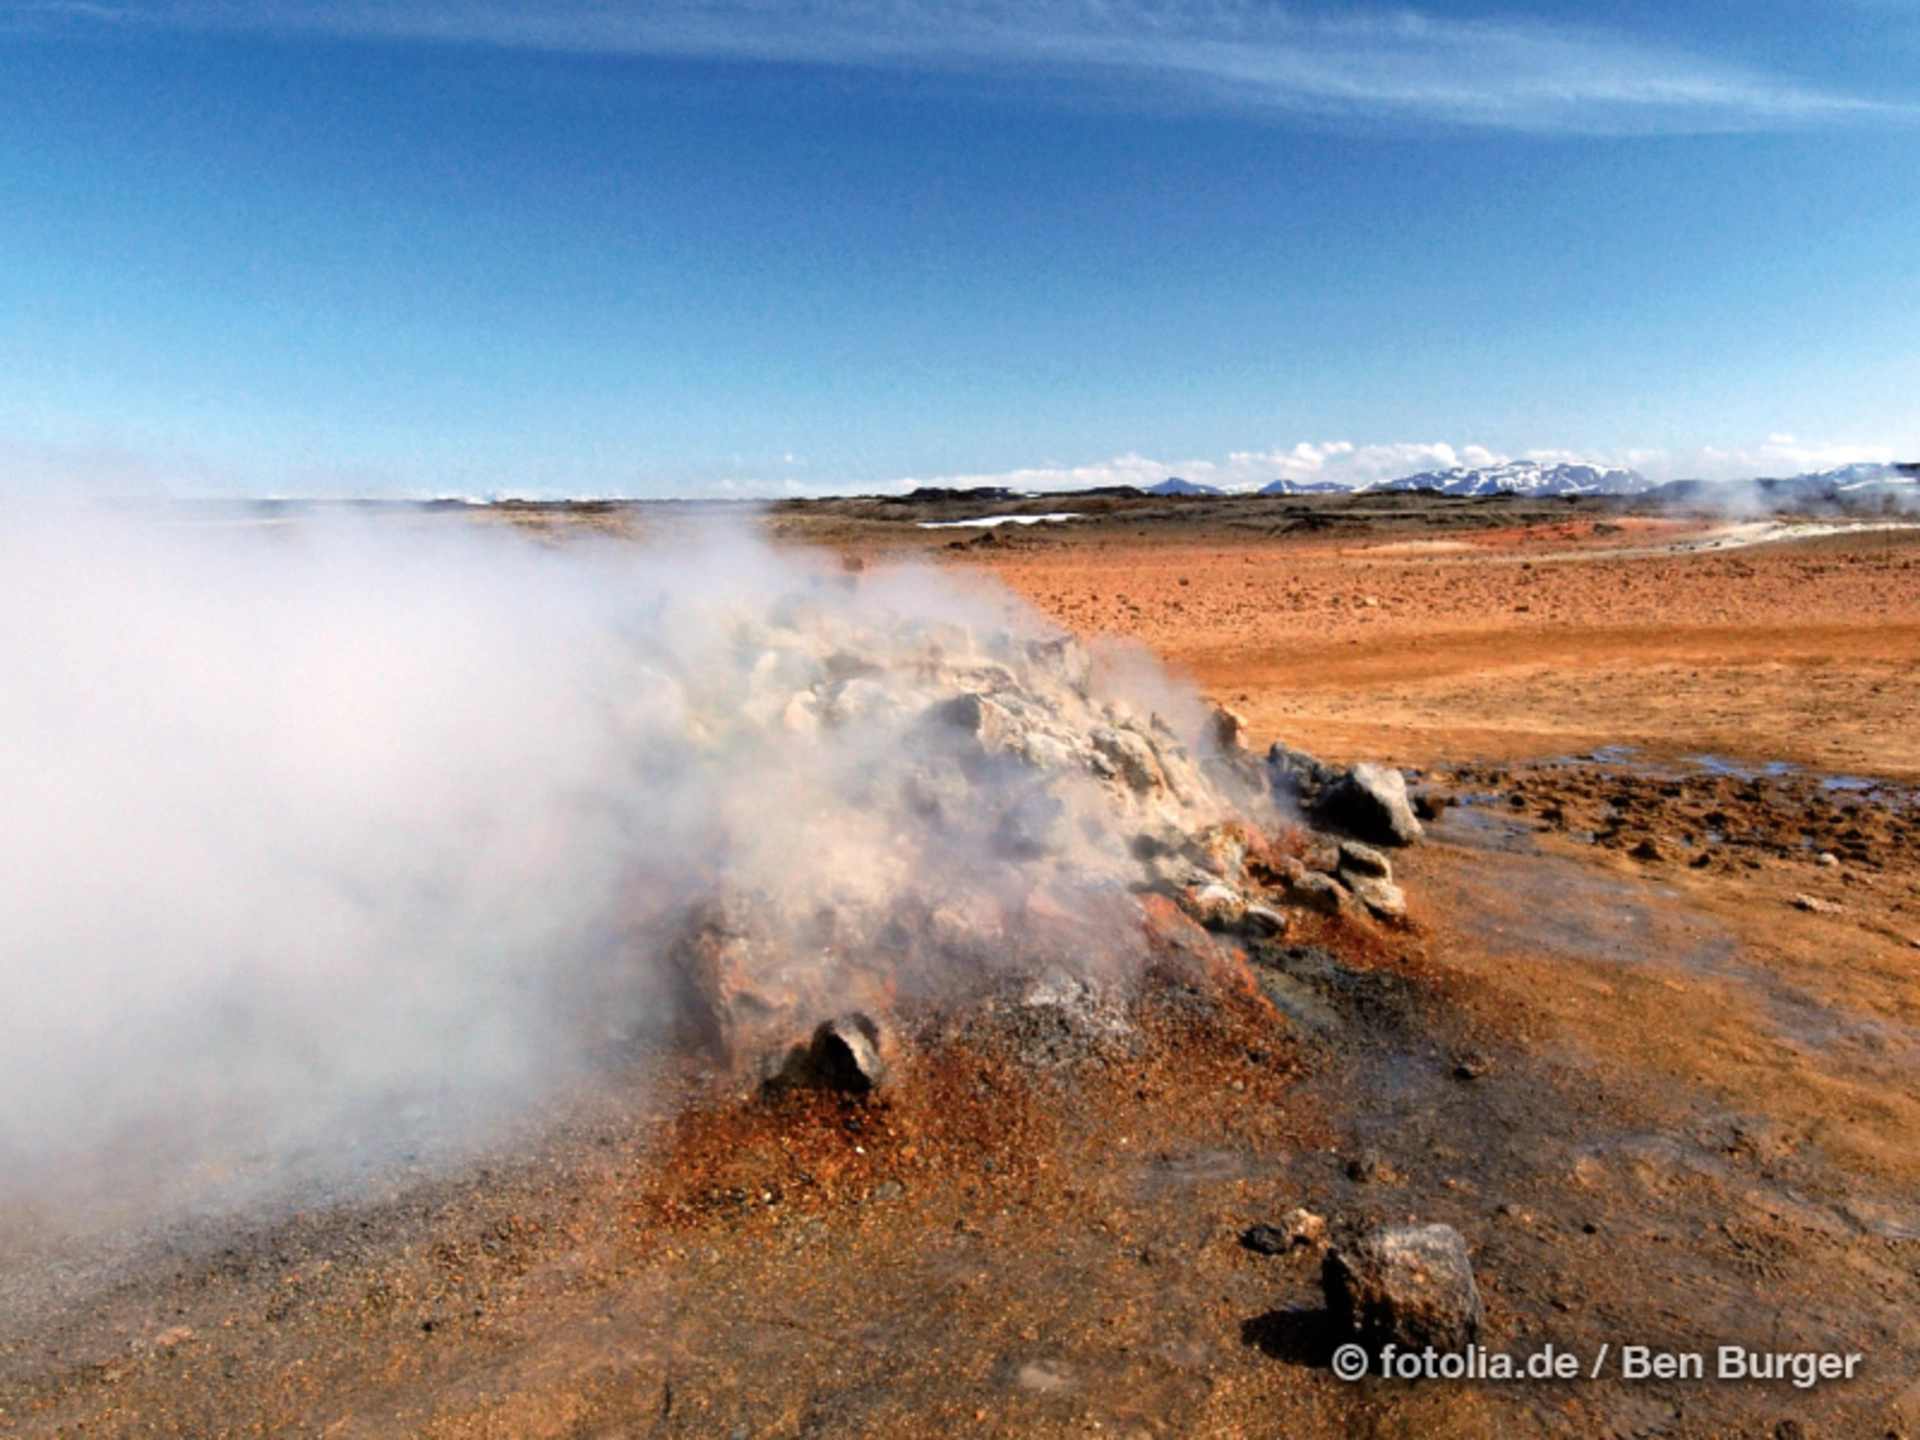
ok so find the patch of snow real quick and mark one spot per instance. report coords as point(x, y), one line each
point(988, 522)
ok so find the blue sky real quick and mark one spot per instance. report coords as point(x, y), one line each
point(582, 246)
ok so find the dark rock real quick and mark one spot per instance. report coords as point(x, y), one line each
point(1267, 1240)
point(1318, 892)
point(989, 722)
point(1471, 1065)
point(1224, 730)
point(1370, 803)
point(1297, 774)
point(1407, 1285)
point(845, 1055)
point(1647, 849)
point(1297, 1227)
point(1370, 1167)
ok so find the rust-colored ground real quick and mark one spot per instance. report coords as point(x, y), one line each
point(1519, 644)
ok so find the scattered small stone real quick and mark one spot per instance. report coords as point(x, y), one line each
point(1303, 1227)
point(1471, 1065)
point(1222, 850)
point(1216, 906)
point(1430, 806)
point(1647, 849)
point(1045, 1377)
point(1370, 1167)
point(1318, 892)
point(1266, 1240)
point(1359, 859)
point(1813, 904)
point(1408, 1285)
point(1297, 1227)
point(887, 1191)
point(1384, 898)
point(1263, 921)
point(1826, 858)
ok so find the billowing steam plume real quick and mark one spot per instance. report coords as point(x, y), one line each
point(329, 843)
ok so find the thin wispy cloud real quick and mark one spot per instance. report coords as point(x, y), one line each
point(1397, 65)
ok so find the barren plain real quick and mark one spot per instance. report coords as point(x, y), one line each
point(1648, 1039)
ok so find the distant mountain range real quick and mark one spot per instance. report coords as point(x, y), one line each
point(1304, 487)
point(1851, 479)
point(1524, 477)
point(1514, 477)
point(1849, 484)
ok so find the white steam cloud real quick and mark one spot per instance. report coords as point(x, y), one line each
point(329, 844)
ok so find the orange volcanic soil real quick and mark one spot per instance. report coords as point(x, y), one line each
point(1519, 643)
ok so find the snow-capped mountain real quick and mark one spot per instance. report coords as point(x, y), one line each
point(1862, 475)
point(1174, 485)
point(1522, 477)
point(1304, 487)
point(1518, 477)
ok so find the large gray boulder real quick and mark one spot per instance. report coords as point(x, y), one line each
point(1405, 1285)
point(1370, 802)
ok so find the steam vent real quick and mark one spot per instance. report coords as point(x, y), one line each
point(982, 811)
